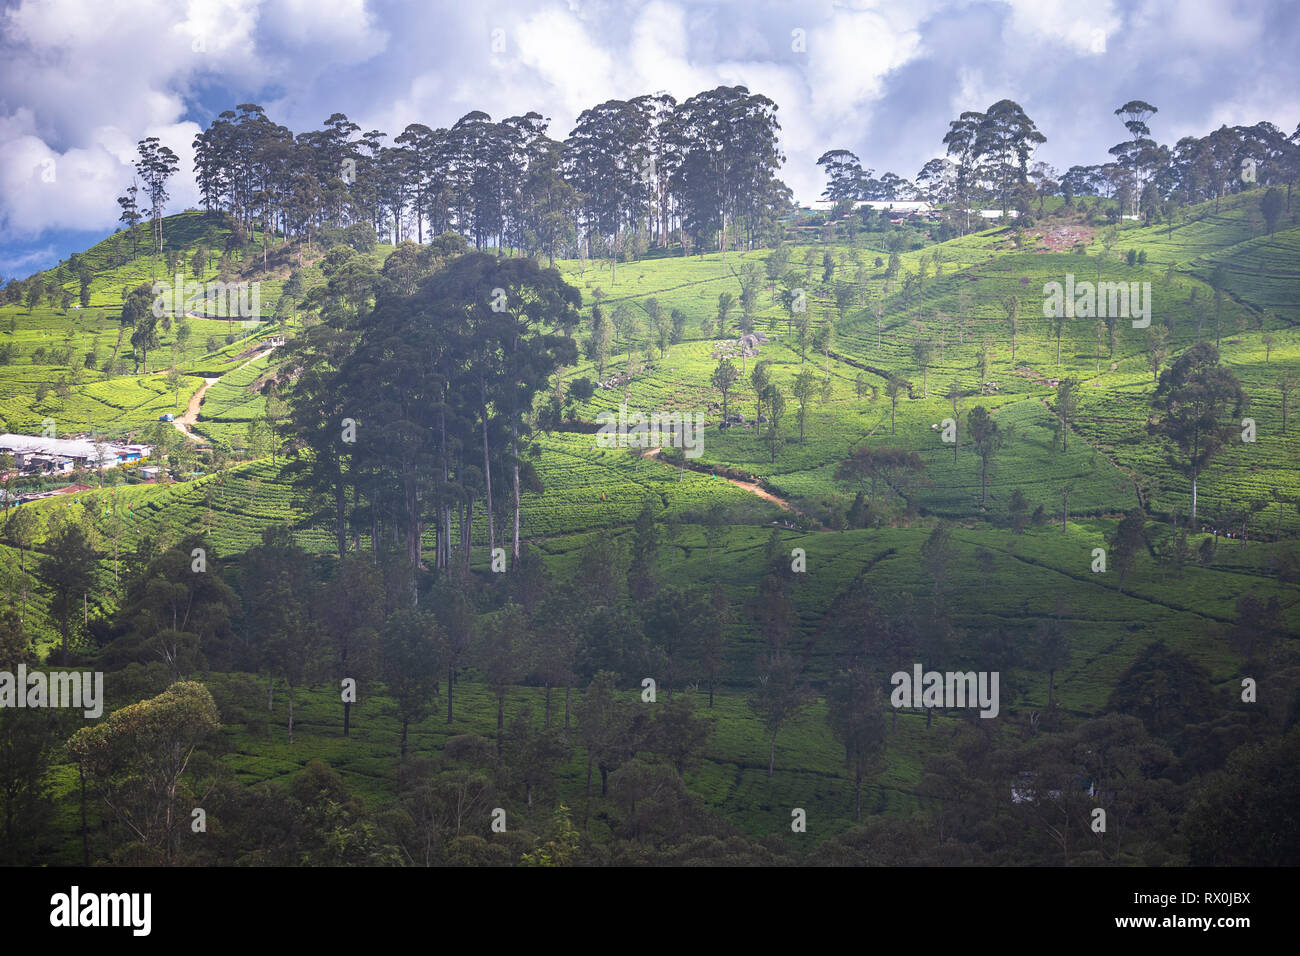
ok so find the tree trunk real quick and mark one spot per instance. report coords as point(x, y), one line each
point(356, 509)
point(771, 756)
point(487, 470)
point(450, 673)
point(444, 543)
point(412, 526)
point(85, 833)
point(469, 529)
point(587, 792)
point(290, 713)
point(515, 553)
point(340, 529)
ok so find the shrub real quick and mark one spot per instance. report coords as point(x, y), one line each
point(360, 236)
point(582, 389)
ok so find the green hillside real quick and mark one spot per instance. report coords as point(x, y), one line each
point(1015, 558)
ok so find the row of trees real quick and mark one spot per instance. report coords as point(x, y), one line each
point(990, 153)
point(988, 159)
point(704, 170)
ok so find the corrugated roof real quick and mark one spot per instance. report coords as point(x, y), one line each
point(67, 447)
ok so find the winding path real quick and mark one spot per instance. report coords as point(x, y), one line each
point(186, 421)
point(752, 487)
point(755, 488)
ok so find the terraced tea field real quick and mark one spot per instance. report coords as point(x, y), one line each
point(711, 530)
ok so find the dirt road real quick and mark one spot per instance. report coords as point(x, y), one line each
point(753, 487)
point(186, 421)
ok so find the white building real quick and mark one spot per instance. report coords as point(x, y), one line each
point(890, 205)
point(36, 452)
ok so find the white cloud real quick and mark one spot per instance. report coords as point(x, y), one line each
point(1085, 29)
point(342, 31)
point(28, 262)
point(851, 55)
point(84, 80)
point(1194, 26)
point(973, 92)
point(42, 188)
point(562, 63)
point(1244, 108)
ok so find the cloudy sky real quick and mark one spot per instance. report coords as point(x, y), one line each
point(81, 81)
